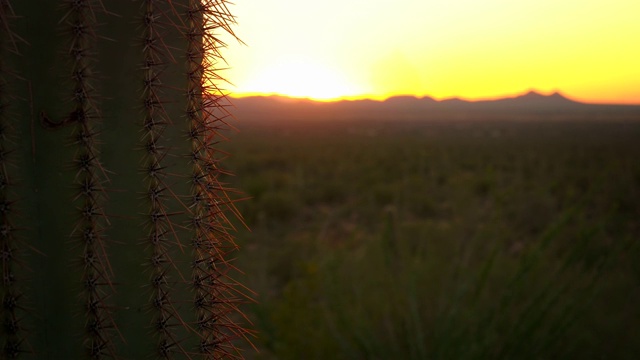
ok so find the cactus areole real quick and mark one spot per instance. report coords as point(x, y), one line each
point(115, 228)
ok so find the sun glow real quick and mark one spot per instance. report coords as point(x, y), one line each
point(298, 77)
point(465, 48)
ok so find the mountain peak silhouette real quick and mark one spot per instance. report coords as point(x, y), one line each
point(533, 94)
point(411, 107)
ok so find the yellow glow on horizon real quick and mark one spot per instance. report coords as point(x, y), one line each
point(299, 77)
point(334, 49)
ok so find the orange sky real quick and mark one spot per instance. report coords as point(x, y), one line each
point(586, 49)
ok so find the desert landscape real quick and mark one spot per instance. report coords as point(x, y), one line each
point(423, 229)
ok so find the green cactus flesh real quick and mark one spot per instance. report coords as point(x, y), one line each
point(114, 226)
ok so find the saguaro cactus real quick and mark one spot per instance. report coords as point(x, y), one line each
point(114, 228)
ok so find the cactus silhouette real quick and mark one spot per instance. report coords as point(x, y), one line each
point(115, 228)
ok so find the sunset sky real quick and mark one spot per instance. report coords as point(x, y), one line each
point(587, 49)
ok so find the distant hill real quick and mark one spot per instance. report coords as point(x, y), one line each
point(529, 105)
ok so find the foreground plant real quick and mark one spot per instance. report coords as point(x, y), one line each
point(114, 228)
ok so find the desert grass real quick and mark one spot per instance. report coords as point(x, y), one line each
point(442, 240)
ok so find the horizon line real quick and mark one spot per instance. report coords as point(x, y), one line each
point(240, 95)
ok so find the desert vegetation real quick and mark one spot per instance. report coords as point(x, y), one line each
point(430, 235)
point(450, 238)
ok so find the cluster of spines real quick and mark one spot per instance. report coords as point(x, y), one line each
point(155, 120)
point(12, 329)
point(80, 23)
point(216, 294)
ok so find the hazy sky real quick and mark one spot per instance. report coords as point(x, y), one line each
point(587, 49)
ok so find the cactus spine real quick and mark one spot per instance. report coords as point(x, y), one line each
point(90, 176)
point(154, 122)
point(114, 225)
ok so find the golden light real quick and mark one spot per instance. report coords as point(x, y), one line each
point(468, 48)
point(299, 77)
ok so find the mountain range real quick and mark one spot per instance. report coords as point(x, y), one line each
point(530, 104)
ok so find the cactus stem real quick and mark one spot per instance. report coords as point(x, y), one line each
point(13, 332)
point(80, 22)
point(185, 234)
point(155, 55)
point(211, 239)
